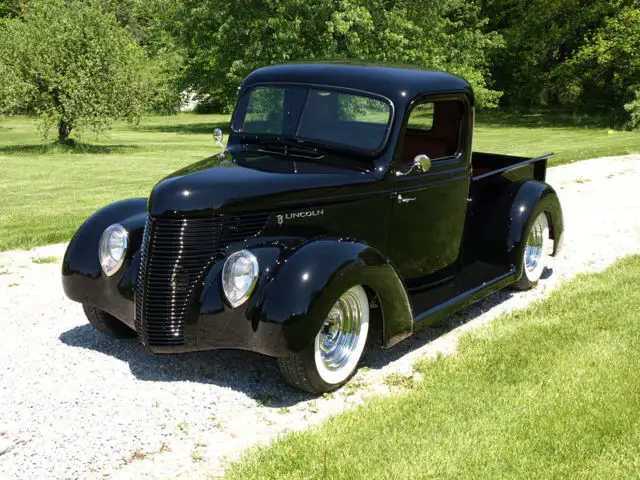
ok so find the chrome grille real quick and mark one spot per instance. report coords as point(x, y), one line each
point(175, 258)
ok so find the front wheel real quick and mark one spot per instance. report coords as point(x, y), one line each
point(535, 254)
point(107, 324)
point(334, 355)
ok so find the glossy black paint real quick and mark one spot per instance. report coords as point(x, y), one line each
point(460, 240)
point(237, 180)
point(83, 279)
point(308, 282)
point(502, 209)
point(428, 231)
point(401, 86)
point(299, 282)
point(518, 207)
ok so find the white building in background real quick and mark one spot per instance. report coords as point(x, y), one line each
point(189, 100)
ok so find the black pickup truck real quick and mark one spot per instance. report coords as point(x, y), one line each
point(347, 203)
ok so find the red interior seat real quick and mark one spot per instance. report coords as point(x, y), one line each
point(439, 142)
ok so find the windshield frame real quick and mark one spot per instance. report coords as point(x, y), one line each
point(311, 142)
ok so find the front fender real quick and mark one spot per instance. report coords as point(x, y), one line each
point(305, 284)
point(82, 276)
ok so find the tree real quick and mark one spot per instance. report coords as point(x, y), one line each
point(149, 23)
point(9, 8)
point(539, 35)
point(224, 41)
point(604, 72)
point(579, 53)
point(72, 64)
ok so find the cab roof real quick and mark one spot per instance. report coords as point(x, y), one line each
point(399, 84)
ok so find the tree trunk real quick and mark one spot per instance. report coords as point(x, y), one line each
point(64, 130)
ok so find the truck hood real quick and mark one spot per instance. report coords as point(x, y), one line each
point(246, 181)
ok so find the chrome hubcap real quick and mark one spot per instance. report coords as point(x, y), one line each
point(340, 334)
point(534, 250)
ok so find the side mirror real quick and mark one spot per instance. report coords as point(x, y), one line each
point(218, 136)
point(421, 163)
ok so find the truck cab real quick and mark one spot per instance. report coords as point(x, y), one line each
point(347, 197)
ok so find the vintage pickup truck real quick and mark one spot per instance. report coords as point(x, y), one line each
point(347, 202)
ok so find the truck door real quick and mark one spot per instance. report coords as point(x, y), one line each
point(429, 207)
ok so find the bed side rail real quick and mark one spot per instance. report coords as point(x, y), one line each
point(518, 164)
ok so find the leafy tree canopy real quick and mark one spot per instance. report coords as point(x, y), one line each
point(72, 64)
point(604, 72)
point(583, 53)
point(86, 62)
point(9, 8)
point(227, 40)
point(149, 23)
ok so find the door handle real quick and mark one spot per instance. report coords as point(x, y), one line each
point(402, 199)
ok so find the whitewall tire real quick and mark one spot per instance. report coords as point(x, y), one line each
point(337, 348)
point(536, 252)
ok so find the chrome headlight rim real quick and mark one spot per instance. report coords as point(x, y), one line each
point(226, 270)
point(103, 248)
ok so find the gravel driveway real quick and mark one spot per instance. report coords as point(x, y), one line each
point(74, 404)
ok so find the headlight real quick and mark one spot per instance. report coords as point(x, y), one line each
point(239, 276)
point(112, 248)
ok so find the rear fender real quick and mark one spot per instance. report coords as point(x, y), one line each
point(512, 216)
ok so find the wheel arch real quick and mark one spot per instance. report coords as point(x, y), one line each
point(81, 262)
point(306, 283)
point(502, 237)
point(527, 200)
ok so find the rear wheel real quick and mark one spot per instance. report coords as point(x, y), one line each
point(535, 254)
point(107, 324)
point(337, 348)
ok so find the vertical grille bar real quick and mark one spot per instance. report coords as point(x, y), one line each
point(175, 257)
point(139, 294)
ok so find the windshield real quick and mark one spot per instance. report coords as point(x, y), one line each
point(329, 117)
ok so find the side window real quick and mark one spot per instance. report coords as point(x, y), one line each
point(421, 117)
point(433, 129)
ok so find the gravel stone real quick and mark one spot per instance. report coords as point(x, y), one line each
point(76, 404)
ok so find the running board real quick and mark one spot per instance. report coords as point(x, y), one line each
point(457, 303)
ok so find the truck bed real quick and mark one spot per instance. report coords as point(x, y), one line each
point(492, 175)
point(491, 164)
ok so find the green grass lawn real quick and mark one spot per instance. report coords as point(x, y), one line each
point(552, 391)
point(47, 191)
point(532, 134)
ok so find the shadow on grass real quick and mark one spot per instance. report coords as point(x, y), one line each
point(196, 128)
point(545, 118)
point(73, 148)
